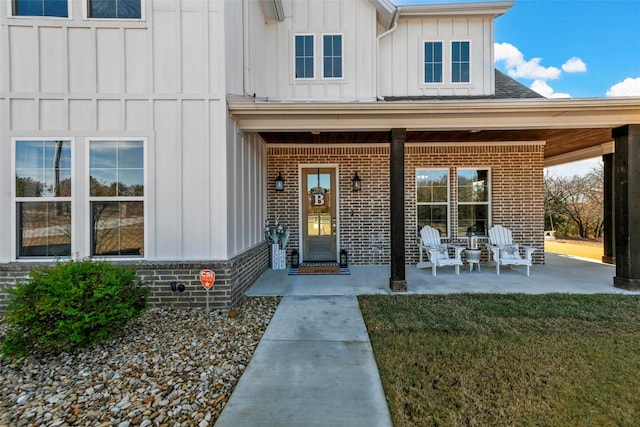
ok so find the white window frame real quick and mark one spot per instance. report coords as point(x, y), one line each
point(15, 199)
point(322, 55)
point(489, 201)
point(447, 204)
point(85, 13)
point(10, 13)
point(296, 78)
point(451, 62)
point(444, 56)
point(90, 199)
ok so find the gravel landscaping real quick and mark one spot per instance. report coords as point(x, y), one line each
point(170, 368)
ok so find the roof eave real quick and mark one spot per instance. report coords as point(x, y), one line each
point(434, 115)
point(456, 9)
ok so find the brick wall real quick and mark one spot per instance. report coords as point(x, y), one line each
point(362, 215)
point(233, 278)
point(517, 191)
point(517, 188)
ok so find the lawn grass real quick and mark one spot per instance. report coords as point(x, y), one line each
point(489, 360)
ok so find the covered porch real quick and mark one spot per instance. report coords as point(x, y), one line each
point(568, 130)
point(559, 274)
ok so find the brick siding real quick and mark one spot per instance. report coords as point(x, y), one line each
point(517, 192)
point(233, 278)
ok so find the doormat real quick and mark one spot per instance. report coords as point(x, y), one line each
point(319, 268)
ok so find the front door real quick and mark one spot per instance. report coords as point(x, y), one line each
point(319, 214)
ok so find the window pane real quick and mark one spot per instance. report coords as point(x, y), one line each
point(29, 183)
point(117, 168)
point(43, 169)
point(464, 72)
point(433, 62)
point(432, 185)
point(103, 155)
point(337, 45)
point(464, 51)
point(304, 56)
point(473, 218)
point(308, 68)
point(434, 216)
point(130, 154)
point(455, 73)
point(44, 229)
point(328, 67)
point(437, 73)
point(56, 8)
point(332, 61)
point(437, 52)
point(308, 45)
point(123, 9)
point(473, 185)
point(327, 45)
point(118, 228)
point(131, 183)
point(103, 182)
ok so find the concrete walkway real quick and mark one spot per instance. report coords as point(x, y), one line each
point(313, 367)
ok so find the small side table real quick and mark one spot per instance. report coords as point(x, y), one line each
point(473, 258)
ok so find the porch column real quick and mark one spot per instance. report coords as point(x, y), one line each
point(397, 282)
point(609, 225)
point(627, 202)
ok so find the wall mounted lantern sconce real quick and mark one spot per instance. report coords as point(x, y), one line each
point(356, 183)
point(279, 186)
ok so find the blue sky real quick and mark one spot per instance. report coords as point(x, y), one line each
point(569, 49)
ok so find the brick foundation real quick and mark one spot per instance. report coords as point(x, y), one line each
point(233, 278)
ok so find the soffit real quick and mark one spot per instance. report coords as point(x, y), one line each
point(558, 141)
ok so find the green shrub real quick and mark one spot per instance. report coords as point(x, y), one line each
point(72, 305)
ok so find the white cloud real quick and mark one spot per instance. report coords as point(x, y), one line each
point(574, 65)
point(516, 65)
point(628, 87)
point(545, 90)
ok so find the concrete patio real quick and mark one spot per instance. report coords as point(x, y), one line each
point(560, 273)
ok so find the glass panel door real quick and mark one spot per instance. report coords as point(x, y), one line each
point(319, 214)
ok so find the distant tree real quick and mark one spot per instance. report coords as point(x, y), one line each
point(575, 204)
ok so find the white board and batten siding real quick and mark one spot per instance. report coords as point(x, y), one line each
point(402, 56)
point(160, 79)
point(271, 51)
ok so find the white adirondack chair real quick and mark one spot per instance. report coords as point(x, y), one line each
point(505, 252)
point(437, 253)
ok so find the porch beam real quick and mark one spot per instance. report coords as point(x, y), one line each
point(609, 227)
point(627, 202)
point(397, 282)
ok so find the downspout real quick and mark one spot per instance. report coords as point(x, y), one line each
point(396, 16)
point(245, 48)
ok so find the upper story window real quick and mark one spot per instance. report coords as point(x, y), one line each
point(43, 198)
point(304, 56)
point(432, 199)
point(57, 8)
point(473, 201)
point(433, 62)
point(116, 182)
point(460, 62)
point(332, 55)
point(119, 9)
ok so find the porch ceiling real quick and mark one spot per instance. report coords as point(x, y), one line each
point(572, 129)
point(558, 141)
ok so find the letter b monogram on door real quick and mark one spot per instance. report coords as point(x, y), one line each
point(318, 199)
